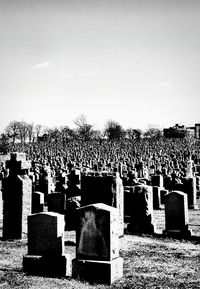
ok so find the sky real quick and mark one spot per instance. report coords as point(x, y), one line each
point(134, 62)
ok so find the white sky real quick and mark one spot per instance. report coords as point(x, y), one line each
point(136, 62)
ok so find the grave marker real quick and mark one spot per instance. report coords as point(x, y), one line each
point(17, 192)
point(97, 244)
point(142, 210)
point(176, 214)
point(46, 252)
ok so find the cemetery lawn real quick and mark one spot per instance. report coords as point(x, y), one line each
point(149, 262)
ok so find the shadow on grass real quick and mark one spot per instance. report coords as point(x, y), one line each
point(193, 239)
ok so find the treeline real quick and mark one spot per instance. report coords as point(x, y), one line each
point(21, 132)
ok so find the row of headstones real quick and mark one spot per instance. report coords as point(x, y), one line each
point(17, 196)
point(97, 245)
point(142, 214)
point(97, 237)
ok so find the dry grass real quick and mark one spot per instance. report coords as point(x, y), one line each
point(149, 262)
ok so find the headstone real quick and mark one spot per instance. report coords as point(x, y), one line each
point(37, 202)
point(189, 170)
point(167, 182)
point(156, 198)
point(176, 214)
point(163, 192)
point(72, 204)
point(17, 190)
point(45, 183)
point(108, 190)
point(57, 203)
point(189, 187)
point(46, 252)
point(97, 245)
point(157, 181)
point(142, 210)
point(127, 201)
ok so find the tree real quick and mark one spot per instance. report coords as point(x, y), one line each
point(133, 134)
point(38, 129)
point(23, 131)
point(30, 128)
point(85, 130)
point(153, 133)
point(113, 130)
point(12, 131)
point(4, 143)
point(67, 134)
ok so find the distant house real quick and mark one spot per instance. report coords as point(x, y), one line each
point(177, 131)
point(180, 131)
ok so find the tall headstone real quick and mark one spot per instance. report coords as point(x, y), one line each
point(17, 192)
point(46, 252)
point(104, 189)
point(189, 170)
point(176, 214)
point(97, 244)
point(142, 210)
point(156, 198)
point(189, 187)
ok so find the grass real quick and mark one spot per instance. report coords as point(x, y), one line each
point(149, 261)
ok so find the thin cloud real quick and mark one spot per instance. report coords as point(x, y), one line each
point(163, 84)
point(42, 65)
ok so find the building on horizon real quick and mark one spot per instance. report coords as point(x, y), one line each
point(180, 131)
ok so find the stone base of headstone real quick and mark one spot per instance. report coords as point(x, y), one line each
point(48, 265)
point(184, 233)
point(105, 272)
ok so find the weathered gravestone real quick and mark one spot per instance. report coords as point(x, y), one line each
point(176, 214)
point(46, 252)
point(104, 189)
point(37, 202)
point(17, 190)
point(141, 220)
point(97, 245)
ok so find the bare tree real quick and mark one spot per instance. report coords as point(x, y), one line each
point(85, 130)
point(153, 133)
point(23, 131)
point(30, 128)
point(38, 130)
